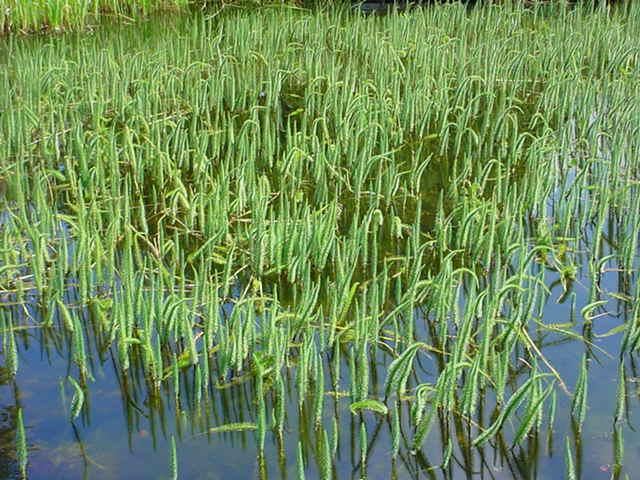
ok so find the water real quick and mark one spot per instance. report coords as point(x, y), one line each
point(381, 6)
point(124, 433)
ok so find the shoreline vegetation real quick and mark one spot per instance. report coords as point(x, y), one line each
point(407, 213)
point(57, 16)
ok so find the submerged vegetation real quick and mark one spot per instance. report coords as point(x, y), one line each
point(323, 208)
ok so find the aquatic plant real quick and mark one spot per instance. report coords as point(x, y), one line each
point(318, 205)
point(21, 445)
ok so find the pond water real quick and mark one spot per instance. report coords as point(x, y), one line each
point(121, 433)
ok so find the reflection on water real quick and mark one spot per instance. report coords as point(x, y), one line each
point(8, 465)
point(121, 428)
point(124, 427)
